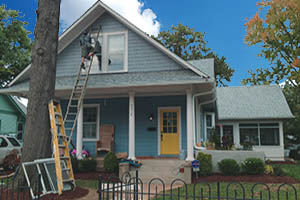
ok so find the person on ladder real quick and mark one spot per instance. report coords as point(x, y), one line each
point(87, 51)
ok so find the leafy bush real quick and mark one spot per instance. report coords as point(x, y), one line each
point(75, 164)
point(294, 154)
point(88, 165)
point(229, 167)
point(205, 164)
point(253, 166)
point(85, 165)
point(278, 171)
point(111, 163)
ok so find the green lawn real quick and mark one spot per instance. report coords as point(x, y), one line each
point(292, 170)
point(91, 184)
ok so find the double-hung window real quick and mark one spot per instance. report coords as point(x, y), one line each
point(112, 56)
point(90, 122)
point(209, 122)
point(259, 133)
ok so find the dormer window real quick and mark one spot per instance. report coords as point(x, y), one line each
point(112, 56)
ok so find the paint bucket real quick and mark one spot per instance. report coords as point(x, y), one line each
point(182, 155)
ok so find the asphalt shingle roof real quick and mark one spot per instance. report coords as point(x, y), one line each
point(252, 102)
point(129, 79)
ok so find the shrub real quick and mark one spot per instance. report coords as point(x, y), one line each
point(87, 165)
point(229, 167)
point(205, 164)
point(111, 163)
point(75, 164)
point(278, 171)
point(253, 166)
point(294, 154)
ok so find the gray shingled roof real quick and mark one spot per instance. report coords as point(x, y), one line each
point(168, 77)
point(252, 102)
point(204, 65)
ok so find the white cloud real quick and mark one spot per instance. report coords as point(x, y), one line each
point(132, 10)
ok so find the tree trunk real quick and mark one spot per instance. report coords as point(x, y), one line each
point(37, 141)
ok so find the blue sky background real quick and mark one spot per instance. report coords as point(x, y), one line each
point(221, 20)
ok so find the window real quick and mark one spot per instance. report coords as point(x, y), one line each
point(14, 142)
point(260, 134)
point(3, 143)
point(249, 133)
point(112, 54)
point(20, 131)
point(209, 124)
point(269, 134)
point(90, 122)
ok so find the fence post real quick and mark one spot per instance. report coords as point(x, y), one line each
point(136, 185)
point(100, 187)
point(218, 190)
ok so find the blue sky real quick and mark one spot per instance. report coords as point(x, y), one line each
point(221, 20)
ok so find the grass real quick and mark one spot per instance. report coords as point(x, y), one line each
point(91, 184)
point(292, 170)
point(235, 191)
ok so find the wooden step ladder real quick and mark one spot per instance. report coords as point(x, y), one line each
point(77, 96)
point(61, 152)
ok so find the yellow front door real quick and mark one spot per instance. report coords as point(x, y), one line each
point(169, 131)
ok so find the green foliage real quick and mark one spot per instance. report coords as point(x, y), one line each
point(278, 171)
point(190, 45)
point(111, 163)
point(294, 154)
point(292, 126)
point(254, 166)
point(215, 138)
point(88, 165)
point(229, 167)
point(85, 165)
point(278, 34)
point(205, 164)
point(15, 46)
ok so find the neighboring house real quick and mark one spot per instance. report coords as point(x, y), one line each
point(159, 104)
point(12, 117)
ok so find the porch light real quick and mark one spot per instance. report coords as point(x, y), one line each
point(150, 117)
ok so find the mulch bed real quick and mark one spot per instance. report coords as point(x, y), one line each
point(247, 178)
point(95, 175)
point(68, 195)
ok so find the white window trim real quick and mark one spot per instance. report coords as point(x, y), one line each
point(258, 127)
point(104, 53)
point(97, 123)
point(158, 128)
point(213, 123)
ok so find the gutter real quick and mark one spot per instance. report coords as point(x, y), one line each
point(194, 113)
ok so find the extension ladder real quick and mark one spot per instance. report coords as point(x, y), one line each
point(63, 165)
point(77, 96)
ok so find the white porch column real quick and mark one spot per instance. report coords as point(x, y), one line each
point(79, 134)
point(189, 125)
point(281, 138)
point(131, 148)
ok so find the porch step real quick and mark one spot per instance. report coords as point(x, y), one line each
point(167, 170)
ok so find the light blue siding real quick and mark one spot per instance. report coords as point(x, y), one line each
point(142, 56)
point(115, 111)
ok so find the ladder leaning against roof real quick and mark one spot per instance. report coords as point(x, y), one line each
point(77, 96)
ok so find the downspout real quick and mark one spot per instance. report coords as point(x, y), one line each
point(194, 113)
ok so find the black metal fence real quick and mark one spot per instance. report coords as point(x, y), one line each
point(13, 189)
point(133, 188)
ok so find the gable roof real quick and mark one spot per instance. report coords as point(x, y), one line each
point(17, 104)
point(88, 18)
point(204, 65)
point(252, 102)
